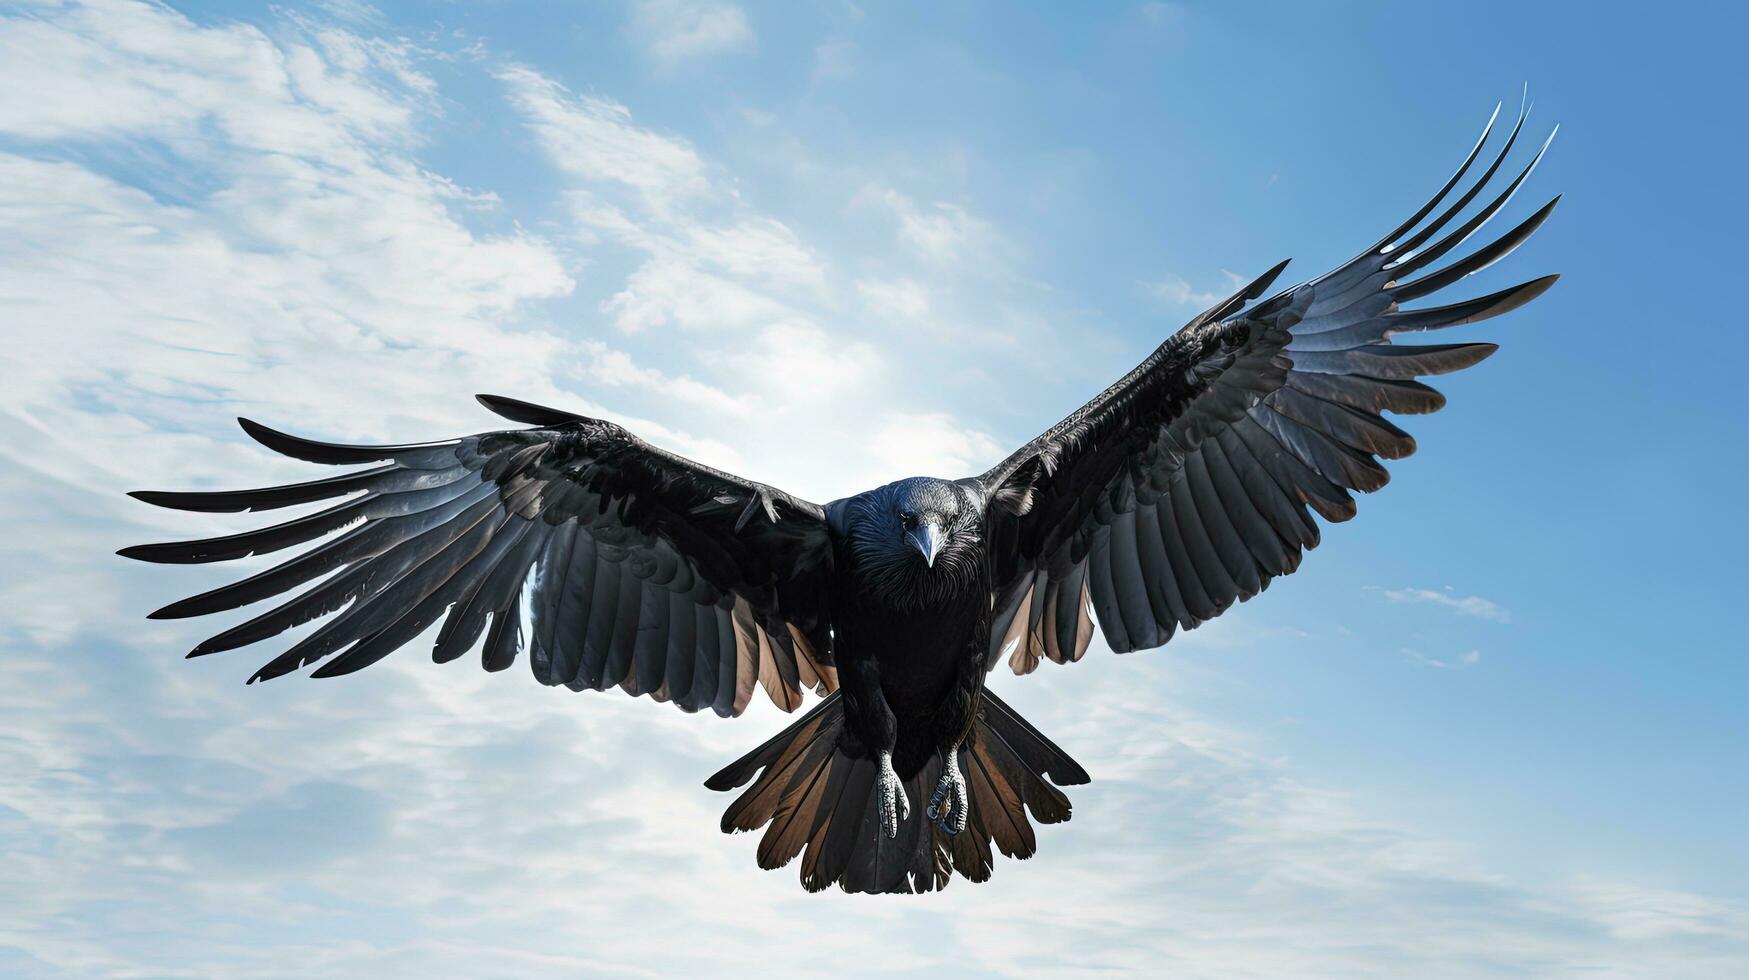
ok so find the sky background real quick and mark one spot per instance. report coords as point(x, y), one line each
point(1495, 726)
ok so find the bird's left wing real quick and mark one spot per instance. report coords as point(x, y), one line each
point(1185, 486)
point(632, 566)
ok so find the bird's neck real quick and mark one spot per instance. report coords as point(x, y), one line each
point(901, 584)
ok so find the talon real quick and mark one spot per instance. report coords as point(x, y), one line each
point(895, 807)
point(950, 805)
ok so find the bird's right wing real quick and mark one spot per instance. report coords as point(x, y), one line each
point(1185, 487)
point(632, 566)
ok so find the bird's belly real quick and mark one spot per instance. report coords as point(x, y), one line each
point(920, 655)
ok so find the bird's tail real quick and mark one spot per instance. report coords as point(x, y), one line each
point(820, 803)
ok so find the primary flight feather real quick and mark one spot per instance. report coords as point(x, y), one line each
point(1185, 487)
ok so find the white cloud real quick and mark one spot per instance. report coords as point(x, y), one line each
point(940, 231)
point(356, 11)
point(1174, 289)
point(416, 817)
point(614, 367)
point(754, 294)
point(711, 262)
point(671, 31)
point(317, 231)
point(910, 443)
point(669, 290)
point(303, 267)
point(596, 140)
point(1159, 14)
point(1467, 605)
point(835, 59)
point(897, 298)
point(757, 248)
point(1468, 658)
point(1635, 912)
point(805, 364)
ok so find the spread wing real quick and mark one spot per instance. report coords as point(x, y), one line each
point(631, 566)
point(1185, 487)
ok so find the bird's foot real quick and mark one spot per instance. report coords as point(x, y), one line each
point(894, 805)
point(949, 805)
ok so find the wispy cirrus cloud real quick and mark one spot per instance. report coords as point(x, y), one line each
point(595, 139)
point(678, 212)
point(1178, 291)
point(835, 59)
point(938, 231)
point(672, 31)
point(1474, 606)
point(1469, 658)
point(901, 297)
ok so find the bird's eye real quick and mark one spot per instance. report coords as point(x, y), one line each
point(908, 519)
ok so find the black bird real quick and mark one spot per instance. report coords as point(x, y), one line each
point(1185, 487)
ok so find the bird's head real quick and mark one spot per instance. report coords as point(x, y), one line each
point(916, 535)
point(929, 515)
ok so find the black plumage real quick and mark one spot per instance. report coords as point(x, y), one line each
point(1182, 489)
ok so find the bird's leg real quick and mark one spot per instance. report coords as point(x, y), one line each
point(871, 721)
point(949, 805)
point(895, 806)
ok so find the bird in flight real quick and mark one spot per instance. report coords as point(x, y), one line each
point(1183, 488)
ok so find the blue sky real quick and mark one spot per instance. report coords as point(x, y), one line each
point(1494, 725)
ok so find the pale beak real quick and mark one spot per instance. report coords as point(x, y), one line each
point(926, 538)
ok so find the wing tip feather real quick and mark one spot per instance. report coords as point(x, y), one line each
point(156, 554)
point(287, 444)
point(528, 413)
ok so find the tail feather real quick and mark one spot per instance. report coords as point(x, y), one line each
point(970, 849)
point(795, 816)
point(908, 862)
point(1047, 803)
point(998, 795)
point(738, 772)
point(838, 835)
point(810, 742)
point(1039, 753)
point(818, 802)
